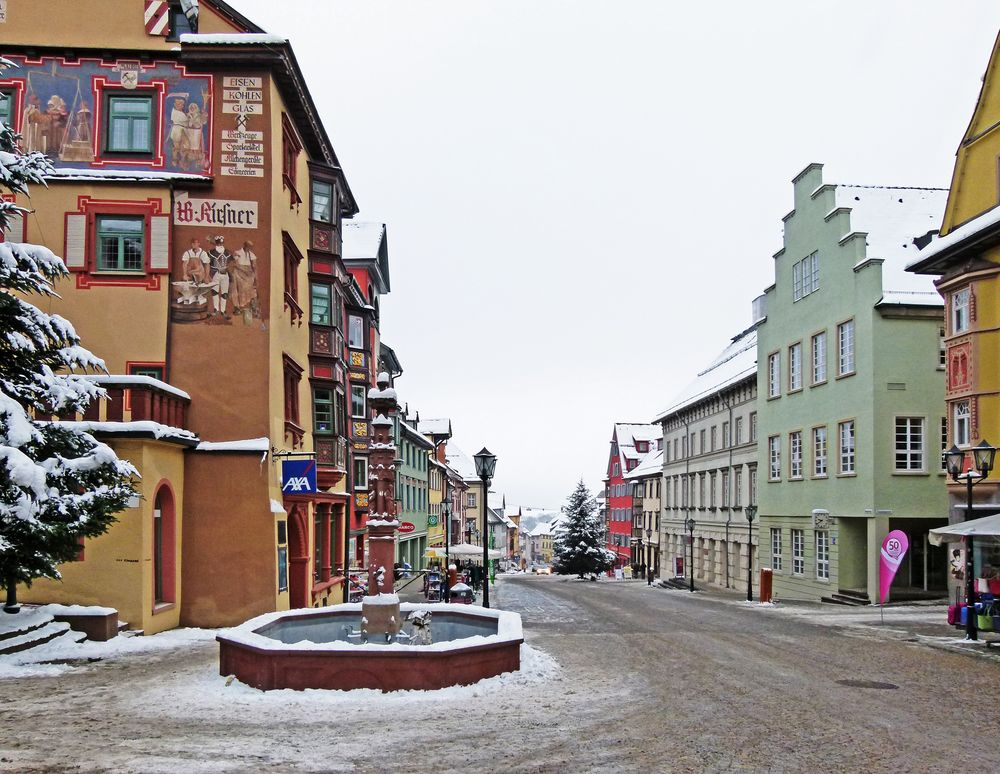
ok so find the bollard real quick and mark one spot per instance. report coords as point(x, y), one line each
point(765, 584)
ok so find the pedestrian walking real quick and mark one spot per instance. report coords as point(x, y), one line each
point(649, 577)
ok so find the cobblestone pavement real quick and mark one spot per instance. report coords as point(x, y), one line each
point(650, 680)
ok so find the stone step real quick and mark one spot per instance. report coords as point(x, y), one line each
point(20, 624)
point(39, 636)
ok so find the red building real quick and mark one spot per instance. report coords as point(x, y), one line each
point(629, 444)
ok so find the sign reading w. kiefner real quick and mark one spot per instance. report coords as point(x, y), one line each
point(298, 476)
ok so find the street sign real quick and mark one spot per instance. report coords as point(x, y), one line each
point(407, 526)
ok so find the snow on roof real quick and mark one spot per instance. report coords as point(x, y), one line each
point(71, 173)
point(246, 445)
point(235, 38)
point(461, 462)
point(628, 434)
point(651, 464)
point(735, 363)
point(126, 381)
point(155, 429)
point(968, 230)
point(892, 218)
point(434, 426)
point(416, 436)
point(362, 240)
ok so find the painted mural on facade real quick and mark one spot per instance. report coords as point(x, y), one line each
point(75, 112)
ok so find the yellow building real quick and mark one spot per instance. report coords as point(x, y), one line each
point(966, 257)
point(199, 205)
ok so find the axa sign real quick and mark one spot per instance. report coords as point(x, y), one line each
point(298, 477)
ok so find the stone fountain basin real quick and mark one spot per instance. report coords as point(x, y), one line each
point(282, 650)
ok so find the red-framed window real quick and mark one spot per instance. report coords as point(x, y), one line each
point(292, 261)
point(17, 227)
point(292, 376)
point(116, 242)
point(291, 147)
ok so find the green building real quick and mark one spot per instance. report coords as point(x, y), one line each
point(411, 492)
point(850, 380)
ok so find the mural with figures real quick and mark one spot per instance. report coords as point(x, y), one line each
point(94, 114)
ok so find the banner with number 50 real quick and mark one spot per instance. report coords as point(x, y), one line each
point(893, 549)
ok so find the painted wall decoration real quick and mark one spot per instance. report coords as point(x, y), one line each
point(65, 112)
point(242, 147)
point(216, 279)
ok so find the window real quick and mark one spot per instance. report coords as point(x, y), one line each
point(909, 443)
point(290, 149)
point(471, 502)
point(798, 552)
point(805, 276)
point(701, 442)
point(753, 486)
point(753, 427)
point(120, 243)
point(358, 393)
point(323, 411)
point(322, 313)
point(355, 332)
point(795, 454)
point(711, 490)
point(737, 486)
point(318, 546)
point(944, 442)
point(819, 452)
point(145, 369)
point(960, 310)
point(713, 435)
point(322, 201)
point(776, 549)
point(846, 435)
point(774, 457)
point(6, 107)
point(179, 22)
point(292, 257)
point(819, 358)
point(739, 431)
point(129, 124)
point(962, 423)
point(845, 348)
point(725, 435)
point(795, 366)
point(292, 373)
point(361, 473)
point(823, 554)
point(773, 375)
point(701, 491)
point(942, 351)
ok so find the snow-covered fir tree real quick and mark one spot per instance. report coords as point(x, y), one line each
point(57, 483)
point(578, 547)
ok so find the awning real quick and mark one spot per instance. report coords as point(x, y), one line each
point(987, 526)
point(469, 551)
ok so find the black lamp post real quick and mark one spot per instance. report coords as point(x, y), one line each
point(486, 463)
point(446, 515)
point(690, 528)
point(751, 512)
point(982, 459)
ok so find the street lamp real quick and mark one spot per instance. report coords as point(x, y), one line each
point(446, 515)
point(751, 512)
point(982, 458)
point(486, 463)
point(690, 528)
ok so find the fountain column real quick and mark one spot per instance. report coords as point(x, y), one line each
point(380, 609)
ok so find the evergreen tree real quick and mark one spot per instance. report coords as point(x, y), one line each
point(57, 483)
point(579, 546)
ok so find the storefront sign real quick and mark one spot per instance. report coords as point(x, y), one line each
point(893, 550)
point(432, 520)
point(407, 526)
point(228, 213)
point(298, 477)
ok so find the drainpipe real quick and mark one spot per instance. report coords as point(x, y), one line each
point(732, 480)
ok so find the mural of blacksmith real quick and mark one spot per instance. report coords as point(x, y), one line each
point(216, 286)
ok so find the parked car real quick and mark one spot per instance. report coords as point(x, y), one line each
point(541, 570)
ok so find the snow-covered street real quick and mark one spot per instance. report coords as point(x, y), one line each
point(617, 677)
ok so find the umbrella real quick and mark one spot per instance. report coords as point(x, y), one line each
point(469, 551)
point(987, 526)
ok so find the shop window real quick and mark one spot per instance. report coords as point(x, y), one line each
point(120, 243)
point(129, 122)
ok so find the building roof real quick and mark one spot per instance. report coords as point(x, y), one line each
point(892, 217)
point(628, 434)
point(416, 436)
point(982, 231)
point(651, 465)
point(735, 363)
point(461, 462)
point(438, 427)
point(367, 244)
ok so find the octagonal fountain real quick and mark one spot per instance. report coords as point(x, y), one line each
point(327, 648)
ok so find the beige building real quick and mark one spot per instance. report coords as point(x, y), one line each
point(647, 479)
point(710, 469)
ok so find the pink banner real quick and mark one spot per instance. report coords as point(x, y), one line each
point(893, 549)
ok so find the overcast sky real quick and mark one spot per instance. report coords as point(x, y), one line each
point(583, 198)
